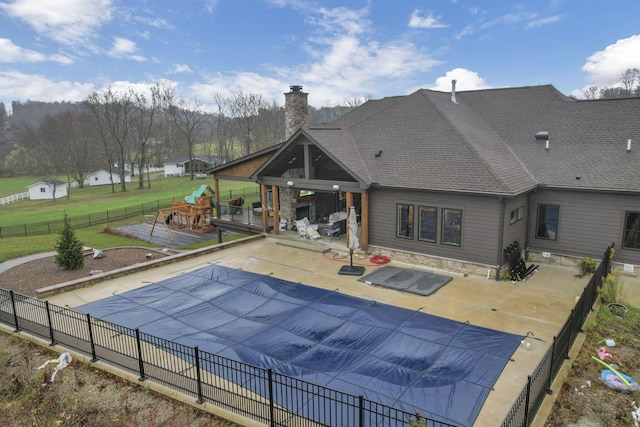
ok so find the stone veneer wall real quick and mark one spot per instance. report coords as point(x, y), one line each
point(289, 202)
point(573, 261)
point(448, 264)
point(295, 111)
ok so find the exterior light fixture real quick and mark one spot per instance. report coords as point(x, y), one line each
point(290, 183)
point(336, 187)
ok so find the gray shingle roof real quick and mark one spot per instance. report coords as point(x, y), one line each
point(485, 142)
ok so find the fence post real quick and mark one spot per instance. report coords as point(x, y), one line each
point(93, 346)
point(271, 415)
point(15, 313)
point(48, 227)
point(46, 304)
point(553, 368)
point(198, 379)
point(361, 411)
point(125, 212)
point(140, 362)
point(25, 230)
point(107, 215)
point(526, 402)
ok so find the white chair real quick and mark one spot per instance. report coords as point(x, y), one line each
point(306, 230)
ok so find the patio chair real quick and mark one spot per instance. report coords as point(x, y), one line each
point(306, 230)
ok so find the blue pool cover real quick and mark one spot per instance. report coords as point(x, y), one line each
point(406, 359)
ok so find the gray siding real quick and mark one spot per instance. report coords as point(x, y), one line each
point(518, 230)
point(480, 224)
point(588, 222)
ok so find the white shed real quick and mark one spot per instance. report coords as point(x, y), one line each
point(44, 190)
point(101, 177)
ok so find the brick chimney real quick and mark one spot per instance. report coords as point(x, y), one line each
point(295, 110)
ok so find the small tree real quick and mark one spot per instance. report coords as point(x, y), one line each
point(69, 248)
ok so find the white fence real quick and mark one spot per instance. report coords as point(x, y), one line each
point(14, 198)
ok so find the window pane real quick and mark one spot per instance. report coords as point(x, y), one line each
point(428, 224)
point(405, 221)
point(548, 222)
point(452, 226)
point(632, 230)
point(517, 214)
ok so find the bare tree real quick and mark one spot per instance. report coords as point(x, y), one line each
point(113, 114)
point(188, 118)
point(270, 127)
point(630, 80)
point(6, 140)
point(245, 107)
point(222, 128)
point(142, 120)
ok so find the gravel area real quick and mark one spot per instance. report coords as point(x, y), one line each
point(27, 277)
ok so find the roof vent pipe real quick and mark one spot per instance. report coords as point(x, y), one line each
point(453, 91)
point(628, 145)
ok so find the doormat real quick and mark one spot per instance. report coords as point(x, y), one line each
point(407, 280)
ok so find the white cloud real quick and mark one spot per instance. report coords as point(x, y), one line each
point(426, 21)
point(181, 69)
point(465, 80)
point(125, 48)
point(17, 85)
point(11, 53)
point(605, 67)
point(70, 22)
point(539, 22)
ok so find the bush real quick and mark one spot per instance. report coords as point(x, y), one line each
point(587, 266)
point(612, 289)
point(69, 248)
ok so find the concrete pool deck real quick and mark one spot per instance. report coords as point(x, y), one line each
point(539, 305)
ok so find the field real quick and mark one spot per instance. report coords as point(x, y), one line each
point(92, 200)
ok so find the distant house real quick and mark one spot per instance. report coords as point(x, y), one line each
point(44, 190)
point(182, 165)
point(101, 177)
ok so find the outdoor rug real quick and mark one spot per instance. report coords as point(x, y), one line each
point(407, 280)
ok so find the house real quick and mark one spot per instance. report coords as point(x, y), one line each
point(182, 165)
point(48, 190)
point(451, 180)
point(102, 177)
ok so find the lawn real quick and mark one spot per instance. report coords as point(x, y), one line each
point(96, 200)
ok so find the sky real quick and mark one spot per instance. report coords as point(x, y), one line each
point(337, 50)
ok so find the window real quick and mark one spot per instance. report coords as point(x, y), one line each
point(517, 214)
point(631, 230)
point(43, 190)
point(451, 226)
point(405, 221)
point(548, 222)
point(427, 227)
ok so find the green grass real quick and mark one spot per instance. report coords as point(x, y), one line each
point(9, 186)
point(94, 200)
point(99, 199)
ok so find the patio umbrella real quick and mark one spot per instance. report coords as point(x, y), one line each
point(354, 242)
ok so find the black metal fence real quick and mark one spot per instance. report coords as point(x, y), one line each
point(256, 393)
point(539, 382)
point(83, 221)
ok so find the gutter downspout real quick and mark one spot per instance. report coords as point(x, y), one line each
point(500, 237)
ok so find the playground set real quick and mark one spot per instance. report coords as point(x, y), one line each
point(195, 213)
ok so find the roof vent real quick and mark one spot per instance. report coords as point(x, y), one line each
point(377, 153)
point(543, 134)
point(453, 91)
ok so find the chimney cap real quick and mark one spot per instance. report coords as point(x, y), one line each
point(296, 88)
